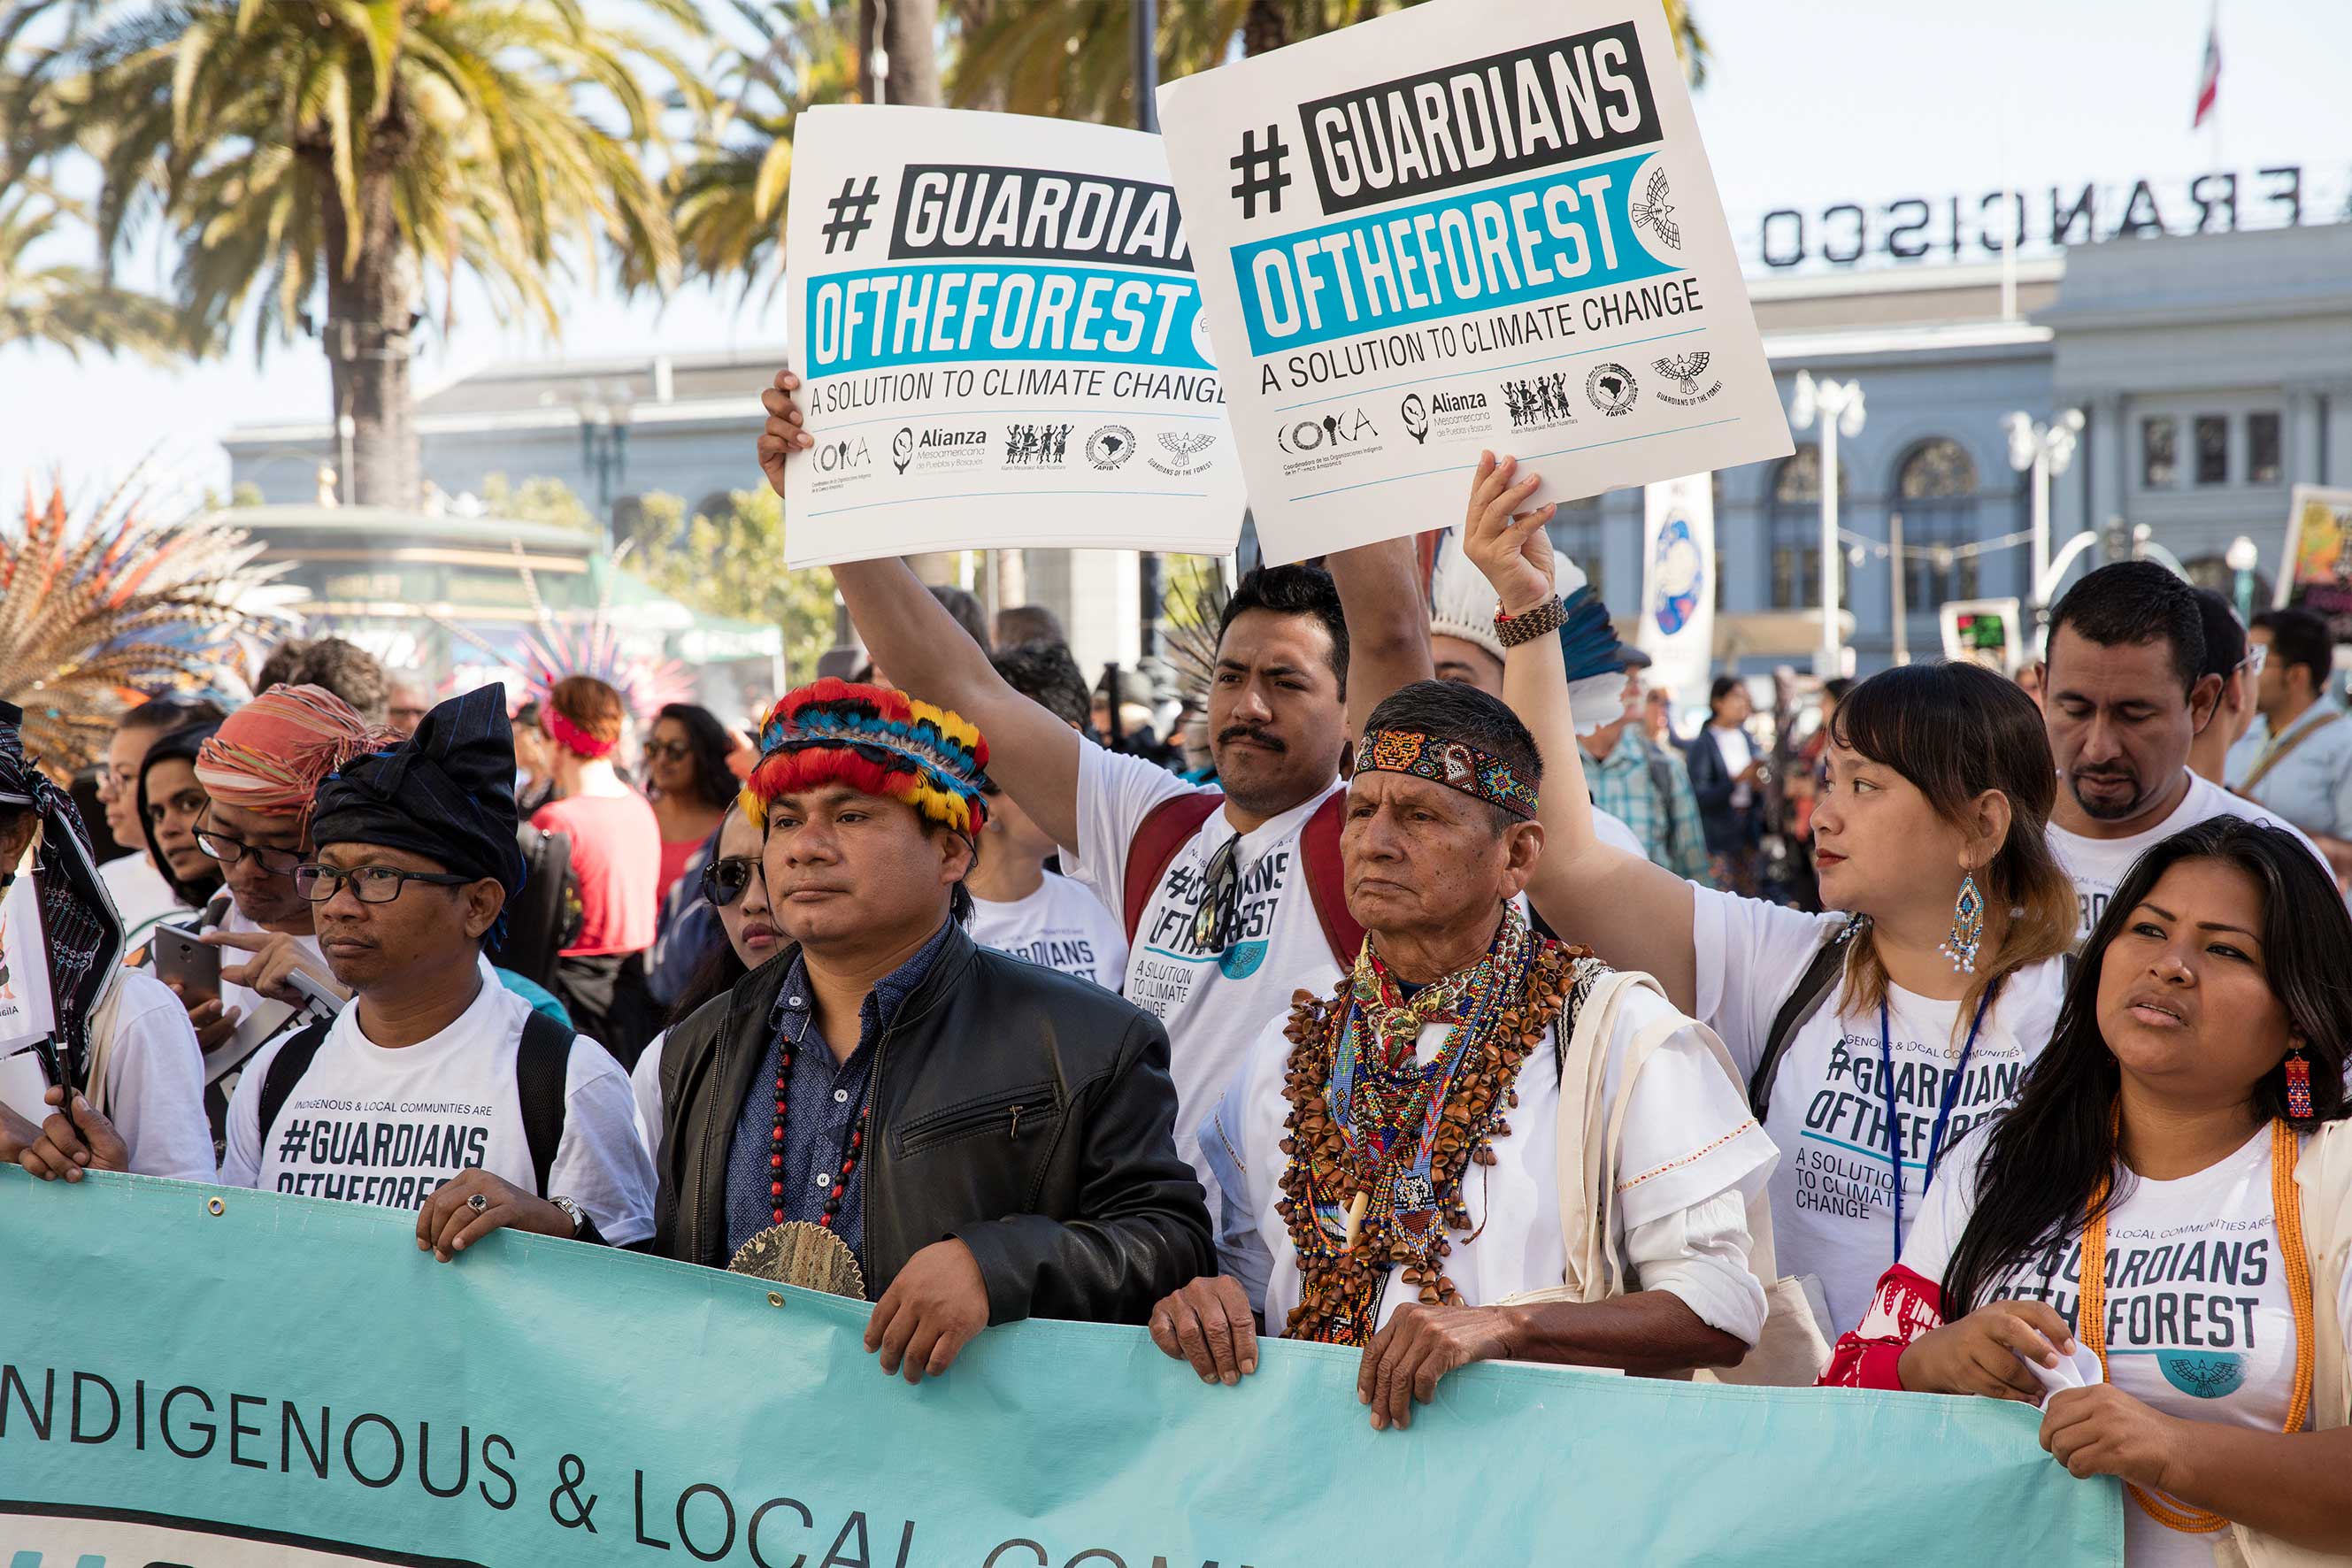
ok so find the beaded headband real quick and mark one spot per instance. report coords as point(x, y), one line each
point(1453, 764)
point(877, 740)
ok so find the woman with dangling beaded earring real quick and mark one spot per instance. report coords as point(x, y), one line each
point(1871, 1037)
point(2173, 1189)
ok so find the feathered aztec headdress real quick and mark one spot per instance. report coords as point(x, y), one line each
point(137, 594)
point(877, 741)
point(1462, 605)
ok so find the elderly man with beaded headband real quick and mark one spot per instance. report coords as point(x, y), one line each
point(1475, 1117)
point(885, 1109)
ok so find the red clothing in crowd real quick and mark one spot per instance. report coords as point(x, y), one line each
point(616, 853)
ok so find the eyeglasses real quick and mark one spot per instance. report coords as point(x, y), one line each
point(369, 884)
point(724, 881)
point(676, 750)
point(2258, 654)
point(1218, 910)
point(229, 851)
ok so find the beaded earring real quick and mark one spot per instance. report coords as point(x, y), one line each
point(1968, 928)
point(2298, 1086)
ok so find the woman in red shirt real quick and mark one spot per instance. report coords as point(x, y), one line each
point(615, 855)
point(686, 762)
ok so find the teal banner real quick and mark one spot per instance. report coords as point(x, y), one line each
point(203, 1376)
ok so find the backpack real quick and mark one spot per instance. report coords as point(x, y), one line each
point(543, 918)
point(542, 1062)
point(1170, 826)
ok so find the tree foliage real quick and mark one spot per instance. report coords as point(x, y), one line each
point(732, 565)
point(44, 299)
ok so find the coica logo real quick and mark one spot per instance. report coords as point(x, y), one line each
point(1110, 446)
point(840, 457)
point(1332, 432)
point(1416, 417)
point(1612, 388)
point(902, 447)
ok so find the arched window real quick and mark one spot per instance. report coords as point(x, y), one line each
point(1935, 490)
point(1575, 531)
point(1793, 519)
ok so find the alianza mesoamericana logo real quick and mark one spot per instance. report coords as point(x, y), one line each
point(1680, 572)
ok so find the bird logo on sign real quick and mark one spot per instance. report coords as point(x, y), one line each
point(1654, 212)
point(1684, 369)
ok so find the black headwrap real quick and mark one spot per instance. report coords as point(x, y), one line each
point(180, 746)
point(446, 792)
point(78, 924)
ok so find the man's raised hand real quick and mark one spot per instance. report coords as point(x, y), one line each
point(1507, 544)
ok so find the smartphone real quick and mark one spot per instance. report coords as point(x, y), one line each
point(318, 997)
point(182, 959)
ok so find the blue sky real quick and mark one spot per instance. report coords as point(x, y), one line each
point(1810, 102)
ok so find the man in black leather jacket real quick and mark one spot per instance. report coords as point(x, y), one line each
point(993, 1140)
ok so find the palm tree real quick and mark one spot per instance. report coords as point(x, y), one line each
point(59, 302)
point(351, 148)
point(728, 193)
point(1071, 57)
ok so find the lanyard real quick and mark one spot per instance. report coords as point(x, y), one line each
point(1943, 1111)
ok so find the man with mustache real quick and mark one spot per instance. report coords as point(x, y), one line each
point(2124, 700)
point(1232, 901)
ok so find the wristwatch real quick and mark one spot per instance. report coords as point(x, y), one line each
point(574, 1212)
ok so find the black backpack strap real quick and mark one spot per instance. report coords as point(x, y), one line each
point(542, 1064)
point(286, 1069)
point(1814, 986)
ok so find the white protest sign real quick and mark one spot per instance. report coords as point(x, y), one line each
point(1678, 586)
point(1459, 226)
point(999, 335)
point(26, 1011)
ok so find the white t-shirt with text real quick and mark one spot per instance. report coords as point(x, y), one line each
point(1061, 926)
point(2199, 1323)
point(386, 1126)
point(154, 1081)
point(1213, 1004)
point(1832, 1194)
point(2099, 864)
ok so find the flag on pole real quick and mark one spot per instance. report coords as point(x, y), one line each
point(2208, 79)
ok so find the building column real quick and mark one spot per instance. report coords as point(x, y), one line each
point(2110, 465)
point(1102, 612)
point(2336, 428)
point(2303, 457)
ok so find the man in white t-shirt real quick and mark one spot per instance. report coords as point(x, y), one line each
point(1226, 923)
point(2124, 699)
point(437, 1089)
point(1021, 908)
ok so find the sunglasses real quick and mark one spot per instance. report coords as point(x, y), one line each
point(724, 881)
point(676, 750)
point(1218, 914)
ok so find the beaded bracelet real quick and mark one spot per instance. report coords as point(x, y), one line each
point(1545, 618)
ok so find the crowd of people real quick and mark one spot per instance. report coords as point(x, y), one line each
point(1445, 1021)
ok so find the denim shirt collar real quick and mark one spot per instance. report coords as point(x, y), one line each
point(796, 1005)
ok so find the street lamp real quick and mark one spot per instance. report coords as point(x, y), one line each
point(2242, 558)
point(1838, 404)
point(2046, 450)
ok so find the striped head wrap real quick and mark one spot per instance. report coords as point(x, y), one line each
point(877, 741)
point(271, 755)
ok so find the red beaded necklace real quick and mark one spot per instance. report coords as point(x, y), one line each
point(851, 1150)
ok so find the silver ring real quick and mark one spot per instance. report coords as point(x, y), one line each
point(478, 1203)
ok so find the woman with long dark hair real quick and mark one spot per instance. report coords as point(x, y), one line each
point(1870, 1037)
point(170, 800)
point(686, 763)
point(2173, 1186)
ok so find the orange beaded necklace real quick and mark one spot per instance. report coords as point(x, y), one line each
point(2286, 1206)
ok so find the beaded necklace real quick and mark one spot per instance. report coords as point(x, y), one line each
point(1379, 1143)
point(852, 1147)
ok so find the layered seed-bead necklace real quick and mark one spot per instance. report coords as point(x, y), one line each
point(1379, 1143)
point(853, 1148)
